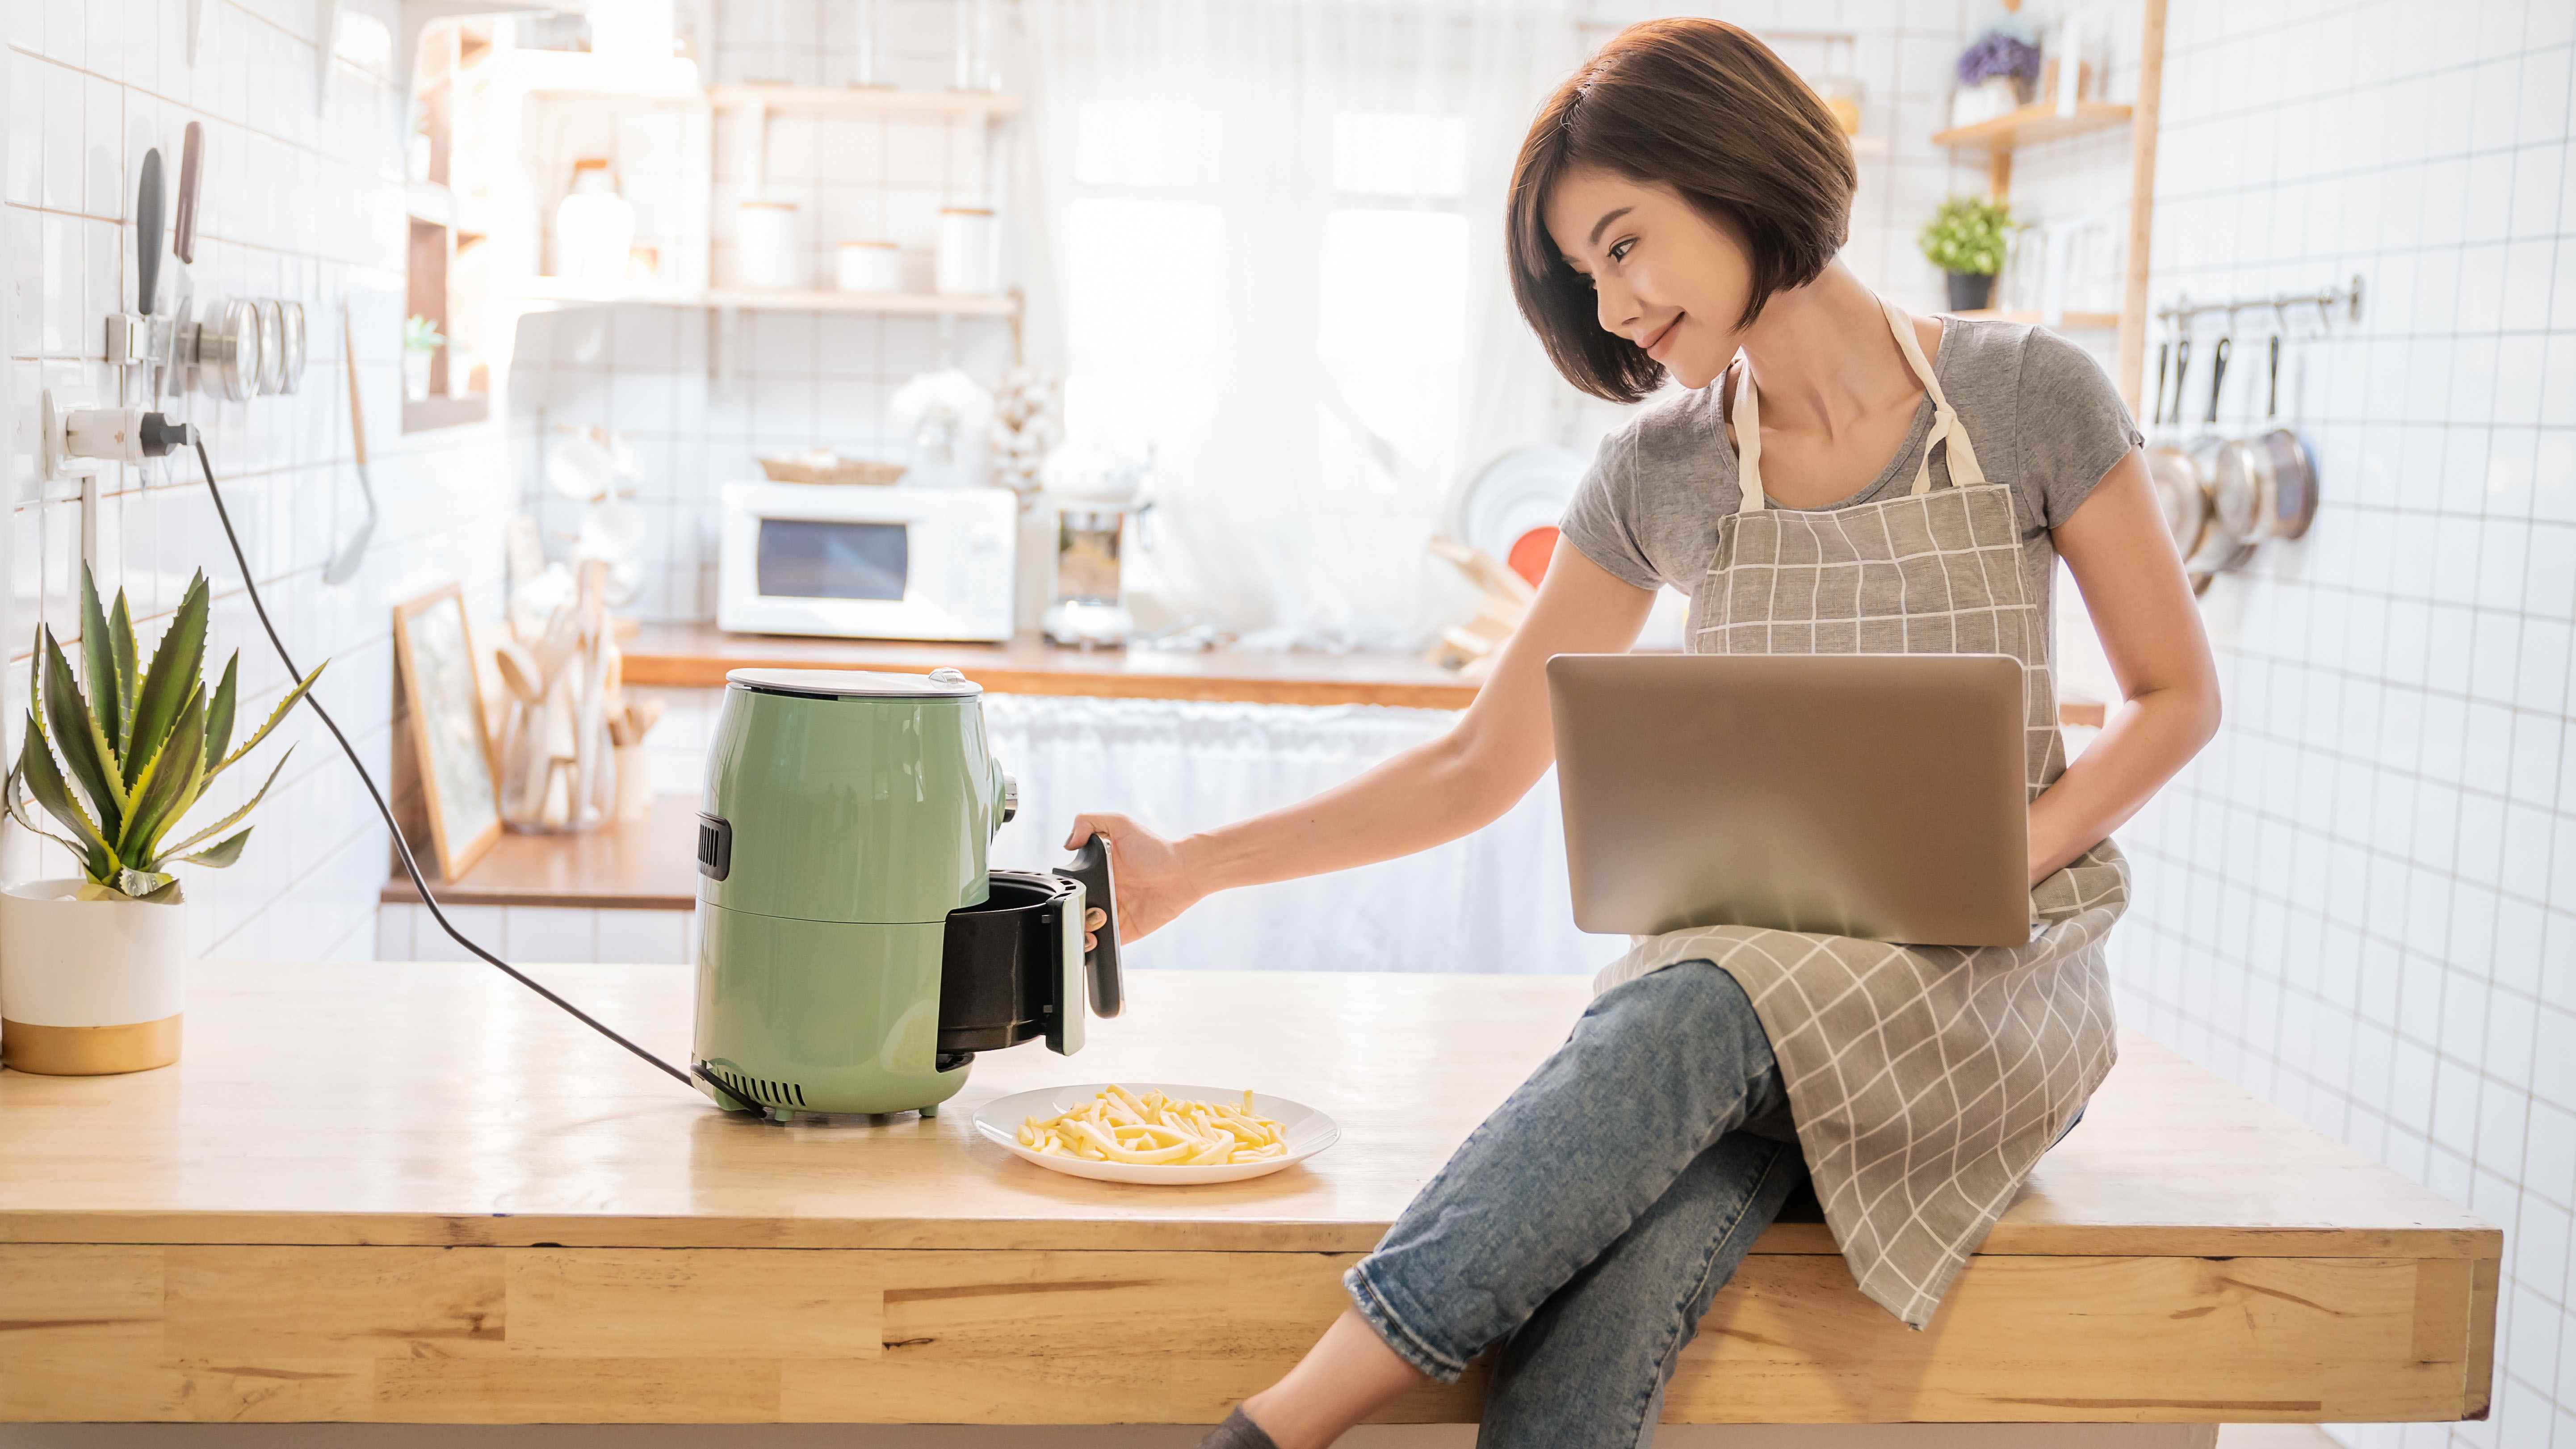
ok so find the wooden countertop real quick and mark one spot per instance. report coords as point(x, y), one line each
point(460, 1071)
point(416, 1191)
point(699, 654)
point(642, 865)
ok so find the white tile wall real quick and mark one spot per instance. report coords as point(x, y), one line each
point(2361, 901)
point(300, 201)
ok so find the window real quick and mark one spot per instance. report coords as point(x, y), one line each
point(1157, 277)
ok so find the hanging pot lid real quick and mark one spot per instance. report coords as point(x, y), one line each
point(942, 683)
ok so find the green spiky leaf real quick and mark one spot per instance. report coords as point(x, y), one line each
point(12, 798)
point(219, 715)
point(170, 783)
point(173, 678)
point(45, 783)
point(237, 816)
point(220, 854)
point(76, 733)
point(144, 885)
point(98, 664)
point(120, 642)
point(274, 717)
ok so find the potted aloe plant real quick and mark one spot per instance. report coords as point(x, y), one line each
point(91, 970)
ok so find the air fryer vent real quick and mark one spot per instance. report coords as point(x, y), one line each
point(756, 1089)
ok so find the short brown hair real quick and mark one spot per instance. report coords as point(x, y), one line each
point(1704, 107)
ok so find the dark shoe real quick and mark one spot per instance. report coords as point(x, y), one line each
point(1237, 1432)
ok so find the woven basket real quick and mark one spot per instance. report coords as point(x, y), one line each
point(825, 467)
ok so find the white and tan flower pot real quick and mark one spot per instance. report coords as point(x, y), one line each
point(89, 987)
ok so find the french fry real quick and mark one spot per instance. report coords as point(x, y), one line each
point(1119, 1125)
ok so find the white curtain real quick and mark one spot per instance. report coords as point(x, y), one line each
point(1265, 237)
point(1494, 901)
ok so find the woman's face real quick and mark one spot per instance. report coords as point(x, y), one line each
point(1666, 277)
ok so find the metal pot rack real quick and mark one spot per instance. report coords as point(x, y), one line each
point(2183, 308)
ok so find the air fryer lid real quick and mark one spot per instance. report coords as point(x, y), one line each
point(942, 683)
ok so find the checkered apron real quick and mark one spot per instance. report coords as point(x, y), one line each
point(1925, 1080)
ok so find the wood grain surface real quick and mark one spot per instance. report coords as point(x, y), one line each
point(699, 654)
point(506, 1335)
point(416, 1192)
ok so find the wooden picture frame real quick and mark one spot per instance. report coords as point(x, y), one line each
point(451, 744)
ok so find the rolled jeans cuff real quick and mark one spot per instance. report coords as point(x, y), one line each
point(1371, 1301)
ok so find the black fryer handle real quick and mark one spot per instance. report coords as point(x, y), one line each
point(1100, 888)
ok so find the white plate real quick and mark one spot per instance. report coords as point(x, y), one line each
point(1307, 1132)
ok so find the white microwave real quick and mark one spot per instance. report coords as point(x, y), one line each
point(867, 561)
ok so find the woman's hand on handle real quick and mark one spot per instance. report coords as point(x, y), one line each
point(1153, 880)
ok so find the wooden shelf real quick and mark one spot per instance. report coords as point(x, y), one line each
point(698, 655)
point(422, 414)
point(918, 304)
point(2069, 321)
point(551, 291)
point(869, 100)
point(638, 865)
point(2032, 124)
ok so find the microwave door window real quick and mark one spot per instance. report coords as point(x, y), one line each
point(806, 559)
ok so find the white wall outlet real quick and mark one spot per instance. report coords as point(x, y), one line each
point(55, 457)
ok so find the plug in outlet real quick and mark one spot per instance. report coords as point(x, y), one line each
point(56, 456)
point(73, 441)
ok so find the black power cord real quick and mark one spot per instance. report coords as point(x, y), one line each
point(158, 430)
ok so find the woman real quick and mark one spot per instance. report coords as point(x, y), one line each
point(1839, 477)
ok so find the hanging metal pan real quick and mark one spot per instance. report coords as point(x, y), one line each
point(2219, 544)
point(2291, 498)
point(2241, 485)
point(2177, 488)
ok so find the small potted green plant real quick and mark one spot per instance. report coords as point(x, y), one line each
point(92, 969)
point(421, 341)
point(1965, 239)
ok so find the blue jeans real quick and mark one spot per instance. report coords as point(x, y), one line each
point(1588, 1223)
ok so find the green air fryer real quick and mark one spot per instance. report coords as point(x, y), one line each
point(853, 951)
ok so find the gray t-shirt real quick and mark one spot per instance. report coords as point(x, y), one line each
point(2039, 410)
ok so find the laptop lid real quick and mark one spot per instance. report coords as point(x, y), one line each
point(1869, 795)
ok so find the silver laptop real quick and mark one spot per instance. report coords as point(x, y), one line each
point(1869, 795)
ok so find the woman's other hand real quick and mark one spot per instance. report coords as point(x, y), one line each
point(1153, 879)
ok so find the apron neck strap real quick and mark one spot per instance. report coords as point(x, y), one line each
point(1946, 427)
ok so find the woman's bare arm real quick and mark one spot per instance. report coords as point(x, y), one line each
point(1432, 793)
point(2124, 561)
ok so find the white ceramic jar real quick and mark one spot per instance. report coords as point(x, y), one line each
point(765, 252)
point(869, 266)
point(970, 260)
point(594, 229)
point(89, 987)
